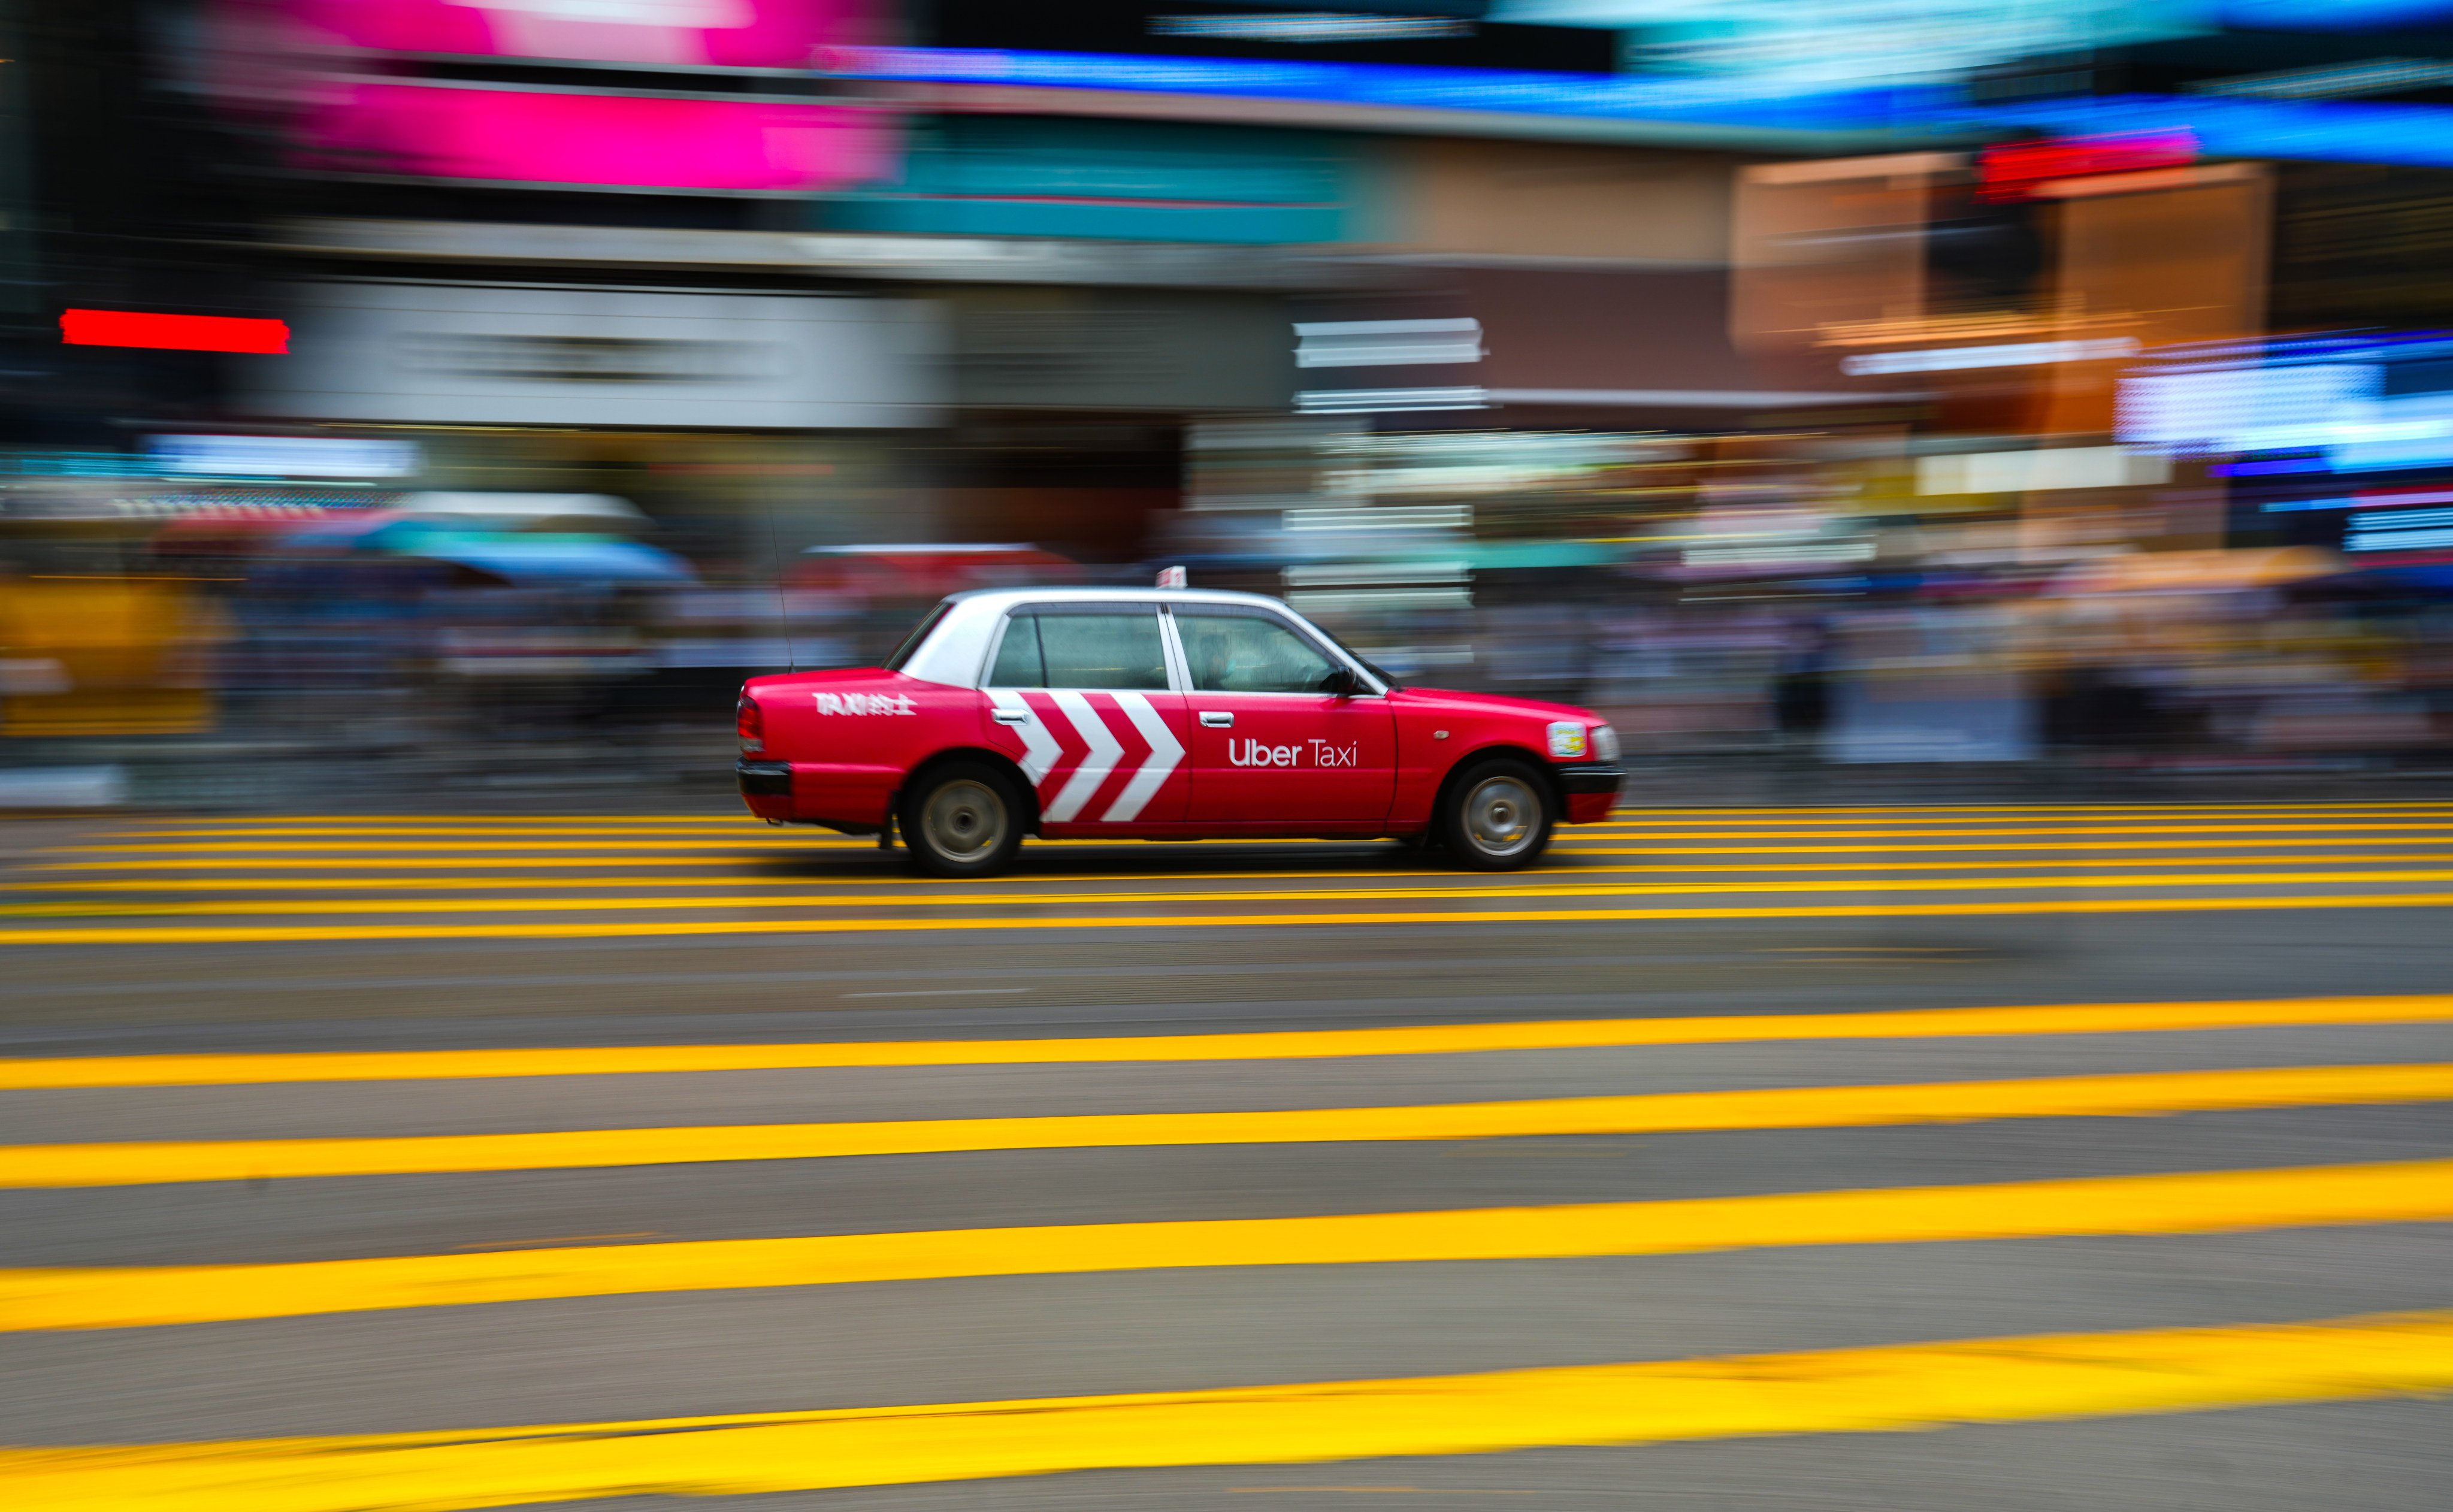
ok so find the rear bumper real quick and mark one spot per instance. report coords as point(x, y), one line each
point(851, 798)
point(765, 778)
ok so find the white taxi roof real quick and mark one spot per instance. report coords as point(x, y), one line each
point(956, 650)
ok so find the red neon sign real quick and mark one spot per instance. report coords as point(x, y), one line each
point(2012, 171)
point(127, 328)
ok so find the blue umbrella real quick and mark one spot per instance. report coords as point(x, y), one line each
point(554, 558)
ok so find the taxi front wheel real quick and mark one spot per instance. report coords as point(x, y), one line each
point(1497, 817)
point(961, 820)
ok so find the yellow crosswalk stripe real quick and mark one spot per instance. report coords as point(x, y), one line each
point(765, 839)
point(715, 875)
point(728, 829)
point(752, 839)
point(2019, 1379)
point(1567, 843)
point(516, 859)
point(704, 816)
point(503, 862)
point(1624, 818)
point(752, 831)
point(139, 1163)
point(1700, 811)
point(520, 859)
point(2194, 1202)
point(1572, 845)
point(738, 817)
point(1463, 888)
point(2253, 815)
point(1664, 823)
point(1282, 1044)
point(615, 929)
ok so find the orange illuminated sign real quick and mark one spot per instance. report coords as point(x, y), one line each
point(2014, 170)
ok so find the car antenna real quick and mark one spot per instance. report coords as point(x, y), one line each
point(783, 604)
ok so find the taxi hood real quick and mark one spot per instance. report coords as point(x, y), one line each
point(1494, 704)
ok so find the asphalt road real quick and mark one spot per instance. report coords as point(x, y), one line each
point(1945, 1159)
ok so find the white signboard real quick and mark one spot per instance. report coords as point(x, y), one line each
point(481, 354)
point(281, 457)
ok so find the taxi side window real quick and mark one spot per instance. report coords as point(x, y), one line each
point(1018, 662)
point(1118, 650)
point(1246, 653)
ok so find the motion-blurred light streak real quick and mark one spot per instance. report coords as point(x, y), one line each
point(127, 328)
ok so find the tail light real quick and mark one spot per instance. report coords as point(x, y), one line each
point(749, 724)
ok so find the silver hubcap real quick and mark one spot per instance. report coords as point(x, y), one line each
point(1501, 815)
point(964, 819)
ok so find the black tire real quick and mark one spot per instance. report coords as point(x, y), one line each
point(1496, 816)
point(963, 819)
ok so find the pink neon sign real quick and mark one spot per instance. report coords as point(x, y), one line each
point(684, 33)
point(521, 136)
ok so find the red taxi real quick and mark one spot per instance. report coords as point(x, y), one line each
point(1157, 715)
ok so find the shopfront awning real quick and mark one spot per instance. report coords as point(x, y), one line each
point(2198, 571)
point(545, 560)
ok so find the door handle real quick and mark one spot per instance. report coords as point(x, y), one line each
point(1010, 716)
point(1218, 721)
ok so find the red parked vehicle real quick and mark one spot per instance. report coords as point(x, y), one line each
point(1158, 714)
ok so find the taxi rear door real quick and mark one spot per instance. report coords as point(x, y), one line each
point(1271, 749)
point(1079, 695)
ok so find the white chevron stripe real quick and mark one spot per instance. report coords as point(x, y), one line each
point(1040, 751)
point(1164, 752)
point(1105, 751)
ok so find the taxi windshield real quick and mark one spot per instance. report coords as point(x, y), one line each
point(1361, 661)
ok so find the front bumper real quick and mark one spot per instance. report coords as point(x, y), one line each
point(1590, 788)
point(1591, 777)
point(765, 778)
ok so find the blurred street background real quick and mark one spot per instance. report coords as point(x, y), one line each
point(403, 397)
point(1991, 461)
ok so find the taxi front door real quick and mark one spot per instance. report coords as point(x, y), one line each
point(1269, 748)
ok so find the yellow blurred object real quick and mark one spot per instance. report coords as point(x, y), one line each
point(104, 656)
point(2199, 571)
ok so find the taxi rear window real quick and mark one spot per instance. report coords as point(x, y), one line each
point(1086, 648)
point(911, 642)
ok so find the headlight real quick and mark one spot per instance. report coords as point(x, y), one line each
point(1605, 743)
point(1569, 741)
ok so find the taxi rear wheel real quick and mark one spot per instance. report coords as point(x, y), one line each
point(1497, 817)
point(963, 820)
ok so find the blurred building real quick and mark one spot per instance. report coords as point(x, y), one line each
point(1741, 369)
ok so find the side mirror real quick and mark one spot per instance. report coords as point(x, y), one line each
point(1341, 681)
